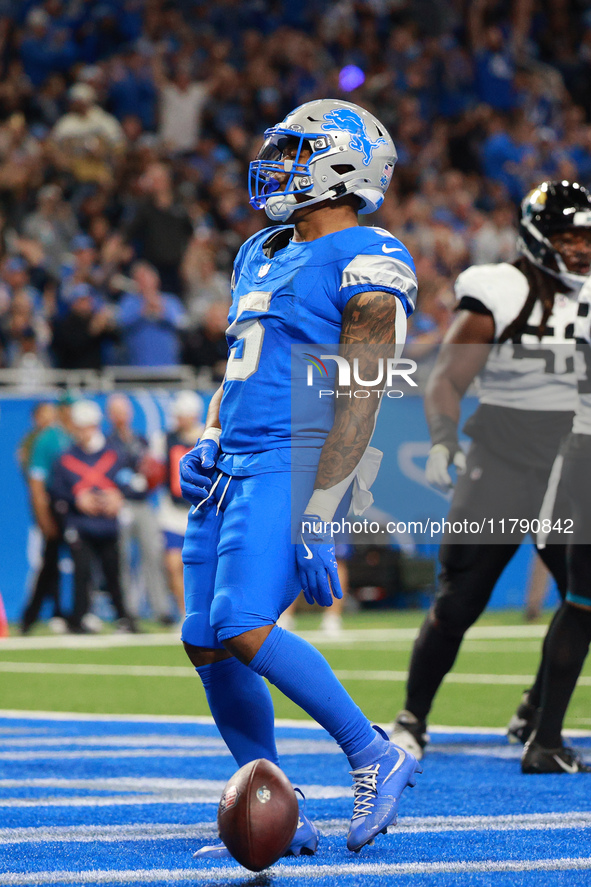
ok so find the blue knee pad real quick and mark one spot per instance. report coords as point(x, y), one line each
point(231, 616)
point(198, 632)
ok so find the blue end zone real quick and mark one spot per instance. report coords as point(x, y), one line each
point(113, 802)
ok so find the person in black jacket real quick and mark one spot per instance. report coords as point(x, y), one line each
point(78, 336)
point(88, 484)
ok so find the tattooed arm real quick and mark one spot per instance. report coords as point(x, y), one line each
point(368, 326)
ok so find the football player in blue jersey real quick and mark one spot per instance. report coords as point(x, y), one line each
point(321, 278)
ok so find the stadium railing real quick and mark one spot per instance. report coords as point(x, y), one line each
point(33, 380)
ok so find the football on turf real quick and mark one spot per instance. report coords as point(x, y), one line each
point(258, 815)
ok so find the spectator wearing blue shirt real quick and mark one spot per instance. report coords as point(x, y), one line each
point(45, 50)
point(15, 279)
point(494, 60)
point(79, 266)
point(132, 89)
point(150, 321)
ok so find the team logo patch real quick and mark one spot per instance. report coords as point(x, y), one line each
point(263, 794)
point(229, 799)
point(345, 118)
point(536, 199)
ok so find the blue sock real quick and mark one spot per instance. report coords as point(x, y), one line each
point(305, 677)
point(242, 709)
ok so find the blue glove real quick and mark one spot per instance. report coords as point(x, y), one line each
point(317, 563)
point(196, 468)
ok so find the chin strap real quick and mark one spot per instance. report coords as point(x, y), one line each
point(280, 207)
point(573, 281)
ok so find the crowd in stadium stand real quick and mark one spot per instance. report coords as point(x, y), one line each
point(126, 128)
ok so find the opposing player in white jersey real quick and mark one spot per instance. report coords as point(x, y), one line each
point(567, 643)
point(514, 331)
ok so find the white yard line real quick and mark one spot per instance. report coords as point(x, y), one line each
point(350, 636)
point(89, 642)
point(114, 755)
point(137, 740)
point(128, 753)
point(205, 720)
point(206, 795)
point(114, 783)
point(174, 671)
point(303, 724)
point(141, 671)
point(213, 744)
point(503, 751)
point(298, 872)
point(335, 827)
point(451, 678)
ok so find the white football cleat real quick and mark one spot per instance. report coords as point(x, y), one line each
point(410, 734)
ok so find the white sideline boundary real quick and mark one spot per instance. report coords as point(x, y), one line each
point(172, 831)
point(307, 724)
point(186, 672)
point(348, 636)
point(298, 872)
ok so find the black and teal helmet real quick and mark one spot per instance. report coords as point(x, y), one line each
point(550, 208)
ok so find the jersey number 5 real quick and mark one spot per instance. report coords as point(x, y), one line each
point(251, 333)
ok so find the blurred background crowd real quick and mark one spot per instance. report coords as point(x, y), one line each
point(110, 498)
point(126, 128)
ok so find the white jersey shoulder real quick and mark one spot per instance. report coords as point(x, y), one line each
point(529, 372)
point(379, 260)
point(583, 321)
point(582, 420)
point(502, 289)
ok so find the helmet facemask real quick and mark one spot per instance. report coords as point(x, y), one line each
point(271, 167)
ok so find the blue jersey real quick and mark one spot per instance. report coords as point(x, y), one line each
point(288, 293)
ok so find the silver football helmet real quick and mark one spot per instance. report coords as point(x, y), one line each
point(351, 153)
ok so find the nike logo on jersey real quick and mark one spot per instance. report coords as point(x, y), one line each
point(568, 768)
point(264, 269)
point(309, 554)
point(393, 249)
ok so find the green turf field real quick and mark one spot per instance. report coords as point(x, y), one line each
point(149, 674)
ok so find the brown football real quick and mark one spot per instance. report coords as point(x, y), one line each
point(258, 814)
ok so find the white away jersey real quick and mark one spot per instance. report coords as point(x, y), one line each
point(582, 420)
point(526, 373)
